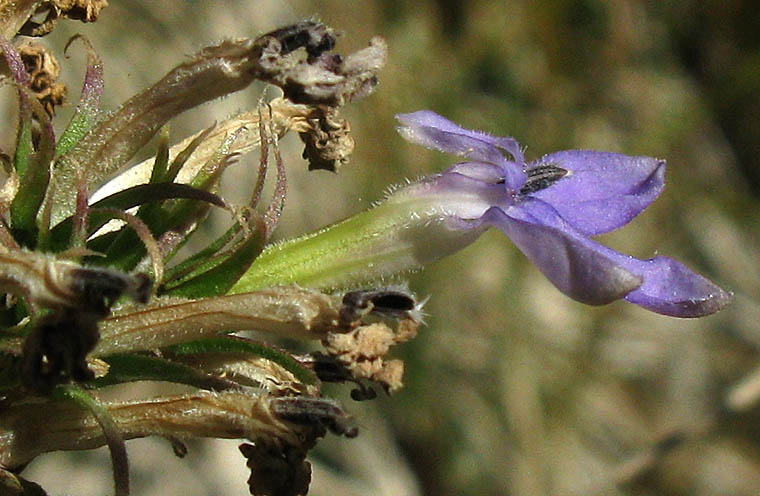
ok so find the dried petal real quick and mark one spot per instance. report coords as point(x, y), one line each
point(14, 14)
point(59, 425)
point(44, 70)
point(287, 311)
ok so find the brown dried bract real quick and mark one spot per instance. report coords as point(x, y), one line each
point(297, 59)
point(78, 10)
point(44, 70)
point(362, 351)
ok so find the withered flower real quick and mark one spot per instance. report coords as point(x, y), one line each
point(94, 295)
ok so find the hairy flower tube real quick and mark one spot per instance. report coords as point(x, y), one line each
point(550, 208)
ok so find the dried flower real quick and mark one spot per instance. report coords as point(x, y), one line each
point(63, 272)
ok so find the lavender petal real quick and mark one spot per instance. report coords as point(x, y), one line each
point(430, 130)
point(595, 274)
point(602, 191)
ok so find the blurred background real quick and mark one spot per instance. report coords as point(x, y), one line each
point(511, 388)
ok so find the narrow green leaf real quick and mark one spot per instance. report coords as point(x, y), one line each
point(217, 276)
point(86, 113)
point(196, 261)
point(24, 147)
point(161, 162)
point(129, 198)
point(233, 344)
point(127, 367)
point(181, 158)
point(33, 168)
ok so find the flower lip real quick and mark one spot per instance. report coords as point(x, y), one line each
point(603, 191)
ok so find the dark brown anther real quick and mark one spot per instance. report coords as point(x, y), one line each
point(318, 412)
point(541, 177)
point(385, 302)
point(315, 37)
point(98, 289)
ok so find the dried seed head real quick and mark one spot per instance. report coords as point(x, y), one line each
point(296, 59)
point(80, 10)
point(44, 71)
point(276, 471)
point(362, 352)
point(328, 142)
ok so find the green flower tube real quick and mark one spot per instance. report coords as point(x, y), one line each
point(409, 229)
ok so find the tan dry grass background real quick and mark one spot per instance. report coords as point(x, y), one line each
point(511, 388)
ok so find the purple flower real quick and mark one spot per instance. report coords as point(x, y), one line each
point(550, 208)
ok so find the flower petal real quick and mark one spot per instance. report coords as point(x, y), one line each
point(595, 274)
point(671, 288)
point(488, 173)
point(431, 130)
point(603, 191)
point(573, 264)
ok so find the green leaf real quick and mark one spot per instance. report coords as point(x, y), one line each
point(161, 161)
point(127, 367)
point(216, 276)
point(181, 158)
point(33, 168)
point(240, 345)
point(129, 198)
point(24, 146)
point(200, 258)
point(86, 113)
